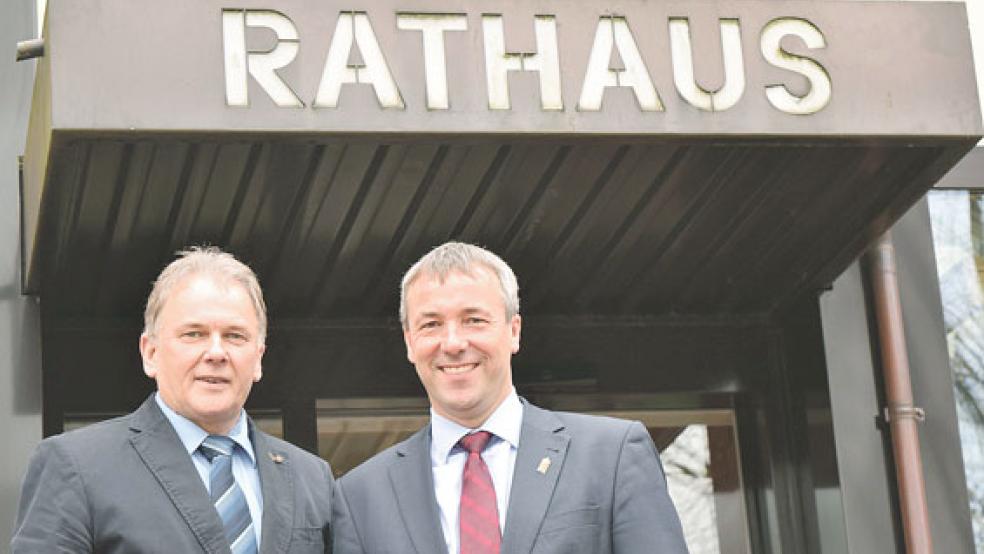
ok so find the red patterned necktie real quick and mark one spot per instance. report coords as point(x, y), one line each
point(478, 514)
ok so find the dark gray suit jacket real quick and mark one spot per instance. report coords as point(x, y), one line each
point(604, 492)
point(128, 485)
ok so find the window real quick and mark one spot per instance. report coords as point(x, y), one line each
point(698, 448)
point(958, 238)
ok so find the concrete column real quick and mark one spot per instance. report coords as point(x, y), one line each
point(932, 383)
point(20, 324)
point(863, 459)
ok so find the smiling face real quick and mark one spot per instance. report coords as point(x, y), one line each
point(461, 343)
point(205, 352)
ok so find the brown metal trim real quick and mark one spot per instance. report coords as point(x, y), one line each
point(901, 414)
point(967, 174)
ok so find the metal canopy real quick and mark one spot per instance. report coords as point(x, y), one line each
point(591, 227)
point(609, 212)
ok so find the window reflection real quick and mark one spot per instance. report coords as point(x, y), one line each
point(958, 240)
point(698, 449)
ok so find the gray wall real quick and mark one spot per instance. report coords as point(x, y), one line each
point(866, 487)
point(20, 346)
point(867, 476)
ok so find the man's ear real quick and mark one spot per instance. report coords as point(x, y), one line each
point(148, 349)
point(515, 326)
point(258, 370)
point(407, 342)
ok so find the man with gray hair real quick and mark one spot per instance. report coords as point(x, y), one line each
point(492, 473)
point(188, 471)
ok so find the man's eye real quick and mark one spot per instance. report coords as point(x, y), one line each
point(236, 337)
point(476, 320)
point(193, 334)
point(429, 325)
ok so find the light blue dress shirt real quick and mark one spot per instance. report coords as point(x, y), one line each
point(243, 458)
point(448, 461)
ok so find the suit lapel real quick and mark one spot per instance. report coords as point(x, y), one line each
point(161, 450)
point(532, 489)
point(413, 483)
point(277, 485)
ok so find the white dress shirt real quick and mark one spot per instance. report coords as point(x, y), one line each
point(243, 459)
point(448, 461)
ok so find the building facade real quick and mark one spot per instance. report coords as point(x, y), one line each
point(687, 192)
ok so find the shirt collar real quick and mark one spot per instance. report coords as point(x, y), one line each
point(506, 422)
point(192, 435)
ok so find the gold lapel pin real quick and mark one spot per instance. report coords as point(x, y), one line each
point(277, 458)
point(544, 466)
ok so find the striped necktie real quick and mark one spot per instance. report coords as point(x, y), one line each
point(229, 500)
point(478, 513)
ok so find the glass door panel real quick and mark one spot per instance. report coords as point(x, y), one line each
point(698, 448)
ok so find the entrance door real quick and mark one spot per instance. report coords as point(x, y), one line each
point(698, 448)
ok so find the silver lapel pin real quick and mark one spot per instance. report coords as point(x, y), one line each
point(277, 458)
point(544, 465)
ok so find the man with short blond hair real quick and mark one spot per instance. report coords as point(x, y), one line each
point(492, 473)
point(188, 471)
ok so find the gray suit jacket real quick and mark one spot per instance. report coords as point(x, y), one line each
point(128, 485)
point(604, 492)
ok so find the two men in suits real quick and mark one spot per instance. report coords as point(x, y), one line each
point(493, 473)
point(188, 471)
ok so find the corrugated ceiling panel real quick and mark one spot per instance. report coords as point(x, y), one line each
point(599, 227)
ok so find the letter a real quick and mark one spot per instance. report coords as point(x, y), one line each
point(355, 27)
point(613, 32)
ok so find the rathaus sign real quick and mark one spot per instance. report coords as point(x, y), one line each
point(615, 59)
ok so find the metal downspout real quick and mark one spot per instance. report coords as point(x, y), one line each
point(900, 413)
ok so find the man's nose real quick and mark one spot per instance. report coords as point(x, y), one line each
point(216, 351)
point(454, 342)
